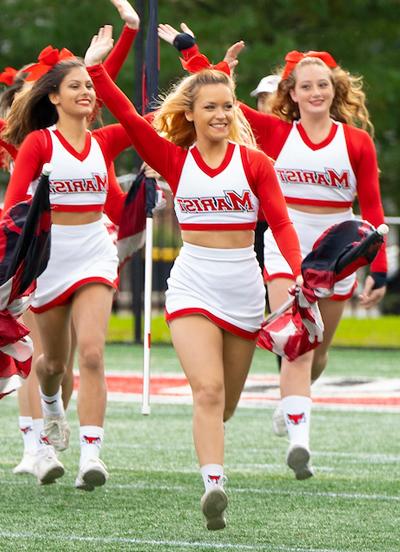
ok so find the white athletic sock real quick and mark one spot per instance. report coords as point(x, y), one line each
point(37, 427)
point(213, 475)
point(91, 439)
point(52, 405)
point(297, 411)
point(28, 434)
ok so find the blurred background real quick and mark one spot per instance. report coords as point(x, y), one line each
point(362, 35)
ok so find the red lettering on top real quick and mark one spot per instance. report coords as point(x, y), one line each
point(102, 183)
point(208, 204)
point(240, 203)
point(339, 181)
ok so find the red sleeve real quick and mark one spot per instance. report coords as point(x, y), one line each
point(363, 159)
point(115, 197)
point(270, 131)
point(32, 154)
point(162, 155)
point(190, 52)
point(119, 53)
point(113, 139)
point(265, 186)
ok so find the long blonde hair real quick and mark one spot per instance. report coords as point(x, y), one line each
point(348, 104)
point(170, 120)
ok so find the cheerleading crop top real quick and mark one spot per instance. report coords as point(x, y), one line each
point(79, 180)
point(256, 178)
point(76, 183)
point(220, 199)
point(319, 176)
point(350, 169)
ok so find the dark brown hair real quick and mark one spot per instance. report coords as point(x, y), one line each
point(32, 109)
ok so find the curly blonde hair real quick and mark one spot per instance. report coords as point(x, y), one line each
point(348, 106)
point(170, 120)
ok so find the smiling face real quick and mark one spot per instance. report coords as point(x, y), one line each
point(76, 96)
point(313, 91)
point(213, 112)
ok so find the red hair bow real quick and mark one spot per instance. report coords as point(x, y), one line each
point(293, 58)
point(48, 57)
point(7, 77)
point(199, 62)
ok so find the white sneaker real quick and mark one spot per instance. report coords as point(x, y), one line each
point(57, 431)
point(298, 458)
point(27, 464)
point(48, 468)
point(93, 474)
point(213, 505)
point(278, 423)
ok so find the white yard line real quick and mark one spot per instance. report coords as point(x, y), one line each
point(233, 490)
point(166, 543)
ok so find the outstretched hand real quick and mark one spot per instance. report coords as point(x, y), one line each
point(232, 53)
point(100, 46)
point(127, 13)
point(168, 33)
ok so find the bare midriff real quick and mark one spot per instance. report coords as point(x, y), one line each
point(318, 209)
point(69, 218)
point(221, 239)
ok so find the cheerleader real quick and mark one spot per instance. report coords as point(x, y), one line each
point(52, 120)
point(31, 419)
point(323, 162)
point(215, 299)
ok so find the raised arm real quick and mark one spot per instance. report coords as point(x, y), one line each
point(158, 152)
point(119, 53)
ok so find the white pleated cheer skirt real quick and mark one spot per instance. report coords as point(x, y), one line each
point(225, 285)
point(309, 227)
point(79, 255)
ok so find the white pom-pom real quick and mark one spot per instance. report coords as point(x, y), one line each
point(47, 168)
point(383, 229)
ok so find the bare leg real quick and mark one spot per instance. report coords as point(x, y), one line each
point(238, 354)
point(295, 375)
point(295, 384)
point(67, 384)
point(55, 337)
point(91, 310)
point(331, 312)
point(199, 346)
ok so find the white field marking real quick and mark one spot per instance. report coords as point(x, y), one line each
point(261, 404)
point(266, 404)
point(180, 544)
point(241, 490)
point(376, 458)
point(337, 393)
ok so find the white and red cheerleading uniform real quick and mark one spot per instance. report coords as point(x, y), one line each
point(79, 254)
point(224, 285)
point(329, 174)
point(112, 63)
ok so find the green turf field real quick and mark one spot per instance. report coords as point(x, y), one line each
point(151, 502)
point(381, 332)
